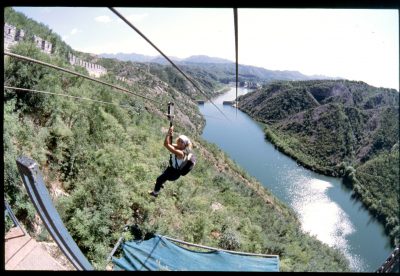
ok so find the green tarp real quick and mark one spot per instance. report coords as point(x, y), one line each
point(158, 253)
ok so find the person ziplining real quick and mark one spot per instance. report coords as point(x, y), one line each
point(181, 152)
point(181, 160)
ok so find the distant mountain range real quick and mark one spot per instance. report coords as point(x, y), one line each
point(220, 65)
point(160, 59)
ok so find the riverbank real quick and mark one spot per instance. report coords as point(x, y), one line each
point(283, 144)
point(221, 91)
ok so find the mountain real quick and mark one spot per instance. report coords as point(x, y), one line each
point(205, 59)
point(262, 74)
point(339, 128)
point(223, 69)
point(139, 58)
point(164, 61)
point(210, 73)
point(160, 59)
point(347, 113)
point(128, 57)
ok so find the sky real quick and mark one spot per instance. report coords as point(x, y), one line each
point(356, 44)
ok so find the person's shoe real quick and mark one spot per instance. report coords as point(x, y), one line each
point(153, 193)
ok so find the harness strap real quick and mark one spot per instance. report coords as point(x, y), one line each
point(185, 158)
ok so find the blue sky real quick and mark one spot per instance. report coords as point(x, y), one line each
point(356, 44)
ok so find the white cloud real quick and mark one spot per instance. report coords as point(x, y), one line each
point(103, 19)
point(74, 31)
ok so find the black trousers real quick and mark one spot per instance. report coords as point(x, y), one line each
point(170, 174)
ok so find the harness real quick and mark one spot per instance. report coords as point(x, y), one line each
point(185, 158)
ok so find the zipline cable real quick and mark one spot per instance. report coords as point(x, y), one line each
point(74, 73)
point(69, 96)
point(80, 75)
point(236, 51)
point(170, 61)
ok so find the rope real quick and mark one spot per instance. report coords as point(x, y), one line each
point(170, 61)
point(80, 75)
point(236, 51)
point(69, 96)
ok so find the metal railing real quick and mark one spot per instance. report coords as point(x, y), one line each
point(8, 212)
point(37, 191)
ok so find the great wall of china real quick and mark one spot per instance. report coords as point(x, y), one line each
point(93, 69)
point(13, 36)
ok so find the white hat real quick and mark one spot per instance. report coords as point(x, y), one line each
point(184, 139)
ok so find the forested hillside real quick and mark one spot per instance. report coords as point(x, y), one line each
point(338, 128)
point(100, 159)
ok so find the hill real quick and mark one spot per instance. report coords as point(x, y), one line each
point(338, 128)
point(221, 69)
point(128, 57)
point(205, 59)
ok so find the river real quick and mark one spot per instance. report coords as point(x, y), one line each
point(323, 204)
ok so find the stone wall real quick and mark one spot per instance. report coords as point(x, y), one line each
point(12, 36)
point(92, 68)
point(42, 44)
point(124, 79)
